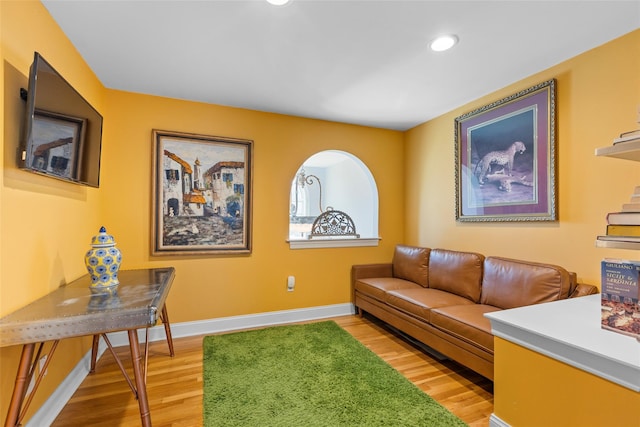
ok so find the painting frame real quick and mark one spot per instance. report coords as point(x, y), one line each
point(201, 194)
point(61, 134)
point(505, 158)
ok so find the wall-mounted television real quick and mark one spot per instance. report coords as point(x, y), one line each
point(62, 135)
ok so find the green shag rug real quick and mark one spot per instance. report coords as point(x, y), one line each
point(308, 375)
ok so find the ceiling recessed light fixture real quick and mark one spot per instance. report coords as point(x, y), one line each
point(278, 2)
point(442, 43)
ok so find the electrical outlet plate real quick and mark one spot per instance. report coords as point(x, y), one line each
point(291, 283)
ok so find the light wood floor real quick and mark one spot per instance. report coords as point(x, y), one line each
point(174, 385)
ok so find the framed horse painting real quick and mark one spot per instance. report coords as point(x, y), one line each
point(506, 158)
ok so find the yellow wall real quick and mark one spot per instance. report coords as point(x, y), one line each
point(46, 225)
point(209, 287)
point(535, 390)
point(597, 97)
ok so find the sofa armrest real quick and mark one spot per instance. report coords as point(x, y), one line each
point(365, 271)
point(368, 271)
point(582, 289)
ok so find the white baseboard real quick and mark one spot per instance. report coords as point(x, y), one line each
point(494, 421)
point(224, 324)
point(59, 398)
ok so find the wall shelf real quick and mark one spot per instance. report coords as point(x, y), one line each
point(629, 150)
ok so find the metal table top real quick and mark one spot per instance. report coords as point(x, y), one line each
point(74, 310)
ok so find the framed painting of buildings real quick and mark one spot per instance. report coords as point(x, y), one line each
point(505, 158)
point(201, 194)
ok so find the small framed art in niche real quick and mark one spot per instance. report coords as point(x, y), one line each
point(201, 194)
point(505, 158)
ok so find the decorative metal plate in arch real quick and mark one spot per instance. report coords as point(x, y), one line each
point(333, 223)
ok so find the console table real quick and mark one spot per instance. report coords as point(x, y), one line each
point(73, 311)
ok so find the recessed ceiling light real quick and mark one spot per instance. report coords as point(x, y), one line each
point(278, 2)
point(443, 43)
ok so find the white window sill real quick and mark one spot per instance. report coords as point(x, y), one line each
point(332, 243)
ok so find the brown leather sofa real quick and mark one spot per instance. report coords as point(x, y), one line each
point(439, 297)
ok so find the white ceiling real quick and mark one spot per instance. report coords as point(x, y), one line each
point(360, 62)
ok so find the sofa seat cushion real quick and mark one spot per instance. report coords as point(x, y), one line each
point(467, 323)
point(419, 302)
point(379, 286)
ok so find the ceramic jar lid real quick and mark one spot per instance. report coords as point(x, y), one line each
point(102, 239)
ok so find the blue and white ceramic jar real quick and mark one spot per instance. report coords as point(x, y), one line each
point(103, 262)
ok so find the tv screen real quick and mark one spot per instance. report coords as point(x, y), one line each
point(62, 135)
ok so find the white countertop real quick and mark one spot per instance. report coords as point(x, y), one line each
point(569, 331)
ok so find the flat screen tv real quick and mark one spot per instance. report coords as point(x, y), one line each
point(62, 135)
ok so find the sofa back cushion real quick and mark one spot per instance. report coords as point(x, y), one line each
point(510, 283)
point(459, 273)
point(411, 263)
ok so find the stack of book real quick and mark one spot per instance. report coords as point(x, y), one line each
point(620, 311)
point(624, 225)
point(631, 136)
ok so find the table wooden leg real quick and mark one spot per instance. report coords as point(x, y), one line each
point(146, 353)
point(167, 329)
point(94, 353)
point(143, 403)
point(20, 387)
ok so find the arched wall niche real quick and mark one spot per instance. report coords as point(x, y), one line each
point(333, 180)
